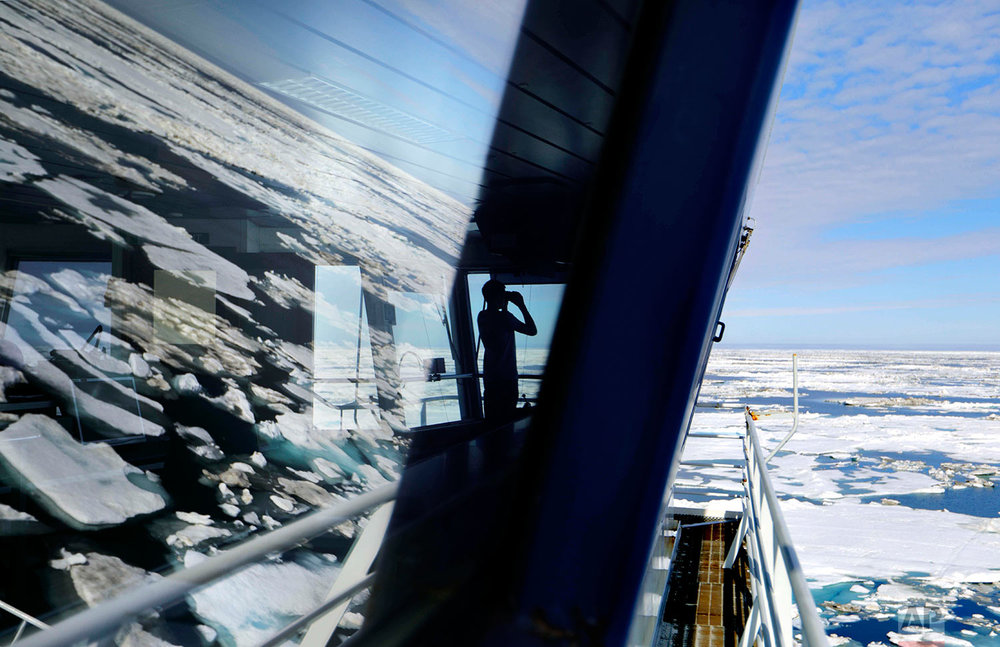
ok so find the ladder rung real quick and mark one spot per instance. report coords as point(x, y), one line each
point(702, 491)
point(717, 462)
point(716, 434)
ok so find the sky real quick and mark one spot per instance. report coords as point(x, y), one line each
point(876, 210)
point(877, 213)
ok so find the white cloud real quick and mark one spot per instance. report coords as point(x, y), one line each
point(913, 304)
point(886, 109)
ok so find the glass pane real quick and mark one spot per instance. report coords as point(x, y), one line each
point(542, 300)
point(422, 335)
point(60, 305)
point(222, 285)
point(344, 370)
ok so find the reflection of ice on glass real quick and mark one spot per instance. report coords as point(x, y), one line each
point(184, 306)
point(346, 395)
point(421, 334)
point(58, 305)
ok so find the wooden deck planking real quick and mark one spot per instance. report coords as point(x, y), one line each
point(706, 606)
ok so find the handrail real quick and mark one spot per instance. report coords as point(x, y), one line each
point(812, 627)
point(22, 616)
point(795, 404)
point(299, 623)
point(25, 621)
point(98, 621)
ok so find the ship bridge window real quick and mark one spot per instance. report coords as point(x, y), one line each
point(363, 343)
point(344, 370)
point(59, 305)
point(224, 287)
point(426, 359)
point(542, 300)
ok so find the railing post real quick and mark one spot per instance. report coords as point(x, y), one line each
point(752, 627)
point(20, 630)
point(356, 564)
point(734, 548)
point(795, 406)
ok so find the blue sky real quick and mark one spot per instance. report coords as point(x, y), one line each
point(878, 208)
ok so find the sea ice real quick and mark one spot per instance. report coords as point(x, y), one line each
point(308, 492)
point(896, 592)
point(234, 401)
point(927, 638)
point(846, 539)
point(921, 428)
point(229, 509)
point(234, 477)
point(187, 384)
point(285, 505)
point(195, 534)
point(194, 518)
point(133, 635)
point(246, 607)
point(68, 559)
point(140, 368)
point(167, 247)
point(103, 577)
point(17, 162)
point(101, 414)
point(85, 486)
point(14, 522)
point(200, 442)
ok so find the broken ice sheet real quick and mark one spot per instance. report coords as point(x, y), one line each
point(246, 606)
point(14, 522)
point(17, 162)
point(85, 486)
point(99, 577)
point(167, 247)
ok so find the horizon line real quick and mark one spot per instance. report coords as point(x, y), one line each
point(862, 346)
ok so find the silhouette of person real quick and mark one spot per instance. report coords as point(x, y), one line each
point(496, 328)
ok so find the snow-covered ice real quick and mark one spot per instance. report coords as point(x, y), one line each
point(889, 485)
point(246, 606)
point(100, 577)
point(86, 486)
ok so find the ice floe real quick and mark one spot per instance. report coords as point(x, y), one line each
point(852, 475)
point(85, 486)
point(101, 577)
point(17, 162)
point(246, 607)
point(14, 522)
point(195, 534)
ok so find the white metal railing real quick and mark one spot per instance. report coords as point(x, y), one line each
point(101, 620)
point(795, 407)
point(775, 573)
point(25, 621)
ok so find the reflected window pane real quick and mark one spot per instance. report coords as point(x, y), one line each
point(422, 335)
point(58, 305)
point(346, 397)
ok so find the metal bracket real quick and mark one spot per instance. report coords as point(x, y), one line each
point(721, 327)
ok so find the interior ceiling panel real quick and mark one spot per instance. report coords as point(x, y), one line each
point(419, 84)
point(582, 33)
point(552, 80)
point(561, 88)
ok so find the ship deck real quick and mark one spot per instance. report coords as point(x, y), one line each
point(707, 605)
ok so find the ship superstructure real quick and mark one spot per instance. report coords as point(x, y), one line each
point(243, 248)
